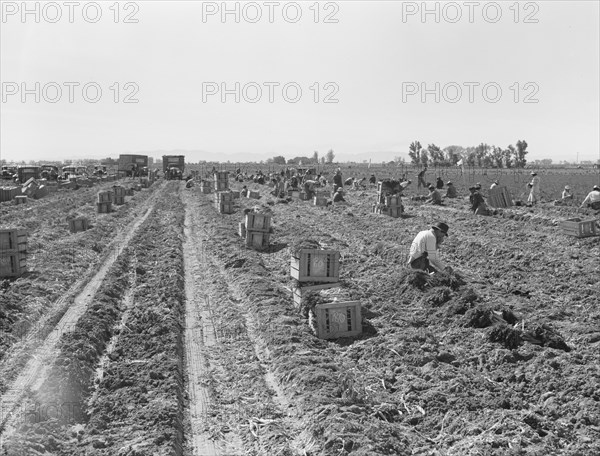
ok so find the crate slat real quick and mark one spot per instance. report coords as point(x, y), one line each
point(104, 208)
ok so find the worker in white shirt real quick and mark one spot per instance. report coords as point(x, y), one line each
point(424, 249)
point(534, 193)
point(592, 199)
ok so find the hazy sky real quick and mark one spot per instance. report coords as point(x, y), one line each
point(527, 70)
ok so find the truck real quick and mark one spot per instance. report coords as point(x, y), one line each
point(132, 165)
point(27, 172)
point(173, 166)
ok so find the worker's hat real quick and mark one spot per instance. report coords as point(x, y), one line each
point(449, 182)
point(533, 173)
point(596, 188)
point(567, 187)
point(431, 187)
point(441, 226)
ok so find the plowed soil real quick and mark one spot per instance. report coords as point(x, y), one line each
point(204, 352)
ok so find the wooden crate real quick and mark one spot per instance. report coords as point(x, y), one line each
point(254, 195)
point(79, 224)
point(295, 194)
point(391, 211)
point(579, 228)
point(500, 197)
point(242, 229)
point(128, 192)
point(336, 319)
point(105, 207)
point(8, 193)
point(105, 197)
point(118, 190)
point(221, 176)
point(206, 187)
point(257, 240)
point(319, 201)
point(224, 208)
point(303, 196)
point(30, 188)
point(13, 241)
point(258, 222)
point(315, 265)
point(221, 186)
point(119, 200)
point(393, 201)
point(223, 197)
point(299, 293)
point(21, 199)
point(12, 264)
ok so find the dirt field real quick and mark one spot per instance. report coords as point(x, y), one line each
point(157, 332)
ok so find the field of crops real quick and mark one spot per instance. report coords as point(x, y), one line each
point(158, 332)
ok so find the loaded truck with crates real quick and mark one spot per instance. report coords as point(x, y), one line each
point(173, 166)
point(133, 165)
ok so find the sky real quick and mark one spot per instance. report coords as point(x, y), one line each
point(244, 81)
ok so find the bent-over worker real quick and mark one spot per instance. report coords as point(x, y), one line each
point(592, 199)
point(424, 249)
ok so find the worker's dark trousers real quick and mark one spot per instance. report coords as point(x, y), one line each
point(422, 263)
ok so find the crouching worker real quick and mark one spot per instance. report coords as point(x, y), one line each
point(592, 199)
point(434, 196)
point(478, 205)
point(309, 188)
point(424, 249)
point(338, 197)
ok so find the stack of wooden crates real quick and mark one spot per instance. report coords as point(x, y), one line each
point(206, 186)
point(224, 202)
point(118, 195)
point(387, 203)
point(315, 271)
point(221, 181)
point(13, 251)
point(256, 230)
point(104, 203)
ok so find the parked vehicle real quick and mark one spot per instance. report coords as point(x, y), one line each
point(173, 166)
point(25, 173)
point(49, 172)
point(132, 165)
point(74, 171)
point(8, 172)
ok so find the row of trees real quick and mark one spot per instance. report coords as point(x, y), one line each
point(314, 160)
point(481, 155)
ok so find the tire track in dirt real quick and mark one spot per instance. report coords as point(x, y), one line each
point(226, 313)
point(34, 373)
point(199, 334)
